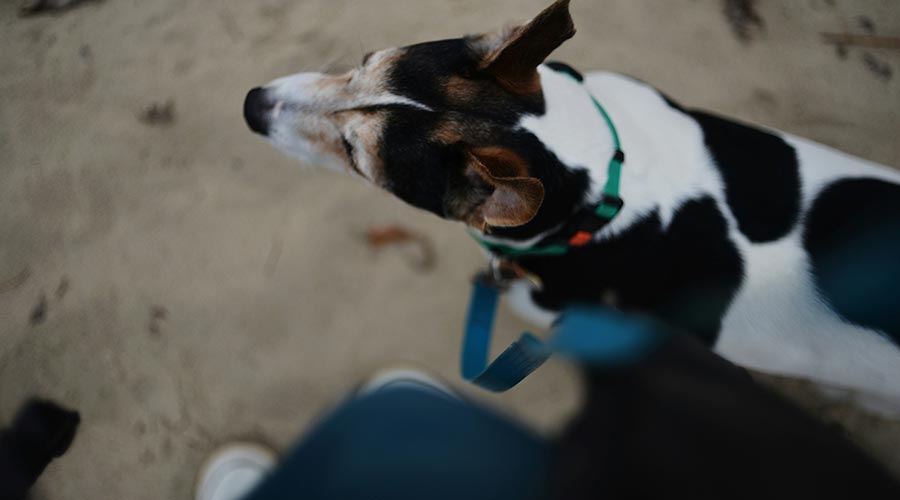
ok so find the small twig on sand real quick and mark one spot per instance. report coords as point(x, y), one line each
point(16, 281)
point(32, 7)
point(382, 236)
point(744, 19)
point(881, 42)
point(158, 114)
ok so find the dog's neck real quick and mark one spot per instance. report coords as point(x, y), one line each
point(665, 162)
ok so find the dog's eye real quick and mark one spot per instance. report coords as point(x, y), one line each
point(350, 149)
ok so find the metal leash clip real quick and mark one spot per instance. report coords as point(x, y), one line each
point(501, 274)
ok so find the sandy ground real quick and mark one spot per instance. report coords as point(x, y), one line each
point(183, 284)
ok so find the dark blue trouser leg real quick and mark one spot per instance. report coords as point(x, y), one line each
point(406, 443)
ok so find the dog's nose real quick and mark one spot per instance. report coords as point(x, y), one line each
point(257, 108)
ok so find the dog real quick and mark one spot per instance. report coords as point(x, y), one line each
point(780, 253)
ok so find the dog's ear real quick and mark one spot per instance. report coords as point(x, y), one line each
point(510, 197)
point(515, 56)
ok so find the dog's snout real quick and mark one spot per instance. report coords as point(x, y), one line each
point(257, 110)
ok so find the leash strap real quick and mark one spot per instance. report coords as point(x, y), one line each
point(599, 336)
point(514, 364)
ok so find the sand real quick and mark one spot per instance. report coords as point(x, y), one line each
point(182, 284)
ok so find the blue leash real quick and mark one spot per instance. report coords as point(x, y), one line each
point(515, 363)
point(594, 335)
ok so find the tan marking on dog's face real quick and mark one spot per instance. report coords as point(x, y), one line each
point(448, 132)
point(497, 192)
point(363, 131)
point(461, 90)
point(316, 113)
point(501, 162)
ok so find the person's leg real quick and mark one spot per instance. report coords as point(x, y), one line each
point(406, 437)
point(235, 469)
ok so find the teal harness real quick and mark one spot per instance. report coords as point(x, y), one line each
point(577, 334)
point(608, 207)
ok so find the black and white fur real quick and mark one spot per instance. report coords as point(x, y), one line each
point(743, 211)
point(782, 254)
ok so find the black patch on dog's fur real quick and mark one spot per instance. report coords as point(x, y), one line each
point(565, 187)
point(853, 239)
point(424, 69)
point(668, 100)
point(761, 174)
point(416, 170)
point(686, 274)
point(565, 68)
point(419, 170)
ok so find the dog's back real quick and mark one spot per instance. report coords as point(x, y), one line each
point(817, 232)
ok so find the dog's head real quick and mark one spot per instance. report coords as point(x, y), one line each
point(436, 123)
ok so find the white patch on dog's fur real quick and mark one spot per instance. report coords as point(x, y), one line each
point(518, 297)
point(518, 243)
point(777, 322)
point(821, 165)
point(665, 161)
point(308, 124)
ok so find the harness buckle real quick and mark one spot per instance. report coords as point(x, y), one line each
point(501, 274)
point(609, 206)
point(581, 238)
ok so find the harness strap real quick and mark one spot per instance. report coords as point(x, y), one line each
point(608, 207)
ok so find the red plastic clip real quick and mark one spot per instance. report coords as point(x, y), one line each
point(580, 239)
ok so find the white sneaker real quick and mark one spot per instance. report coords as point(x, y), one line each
point(232, 471)
point(405, 378)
